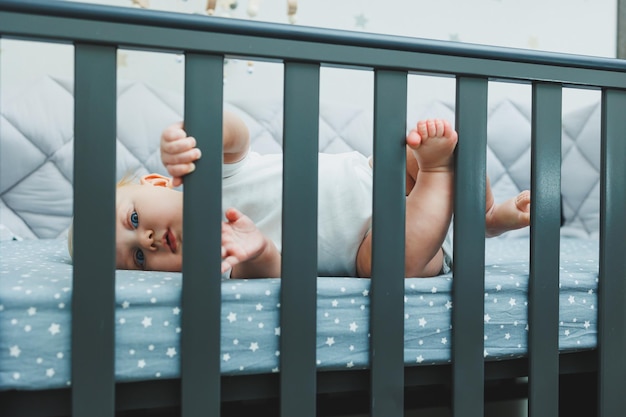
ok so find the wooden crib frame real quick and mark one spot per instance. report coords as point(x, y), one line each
point(388, 387)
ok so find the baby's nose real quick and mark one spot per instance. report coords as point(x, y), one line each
point(147, 239)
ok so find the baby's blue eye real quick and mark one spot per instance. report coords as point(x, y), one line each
point(134, 219)
point(139, 258)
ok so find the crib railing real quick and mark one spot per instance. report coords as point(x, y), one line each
point(97, 32)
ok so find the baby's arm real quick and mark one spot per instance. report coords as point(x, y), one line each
point(246, 250)
point(179, 151)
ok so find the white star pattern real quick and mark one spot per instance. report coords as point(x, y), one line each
point(15, 351)
point(254, 328)
point(54, 329)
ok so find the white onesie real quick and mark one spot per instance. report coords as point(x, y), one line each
point(254, 186)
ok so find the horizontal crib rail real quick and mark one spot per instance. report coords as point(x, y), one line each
point(97, 32)
point(173, 32)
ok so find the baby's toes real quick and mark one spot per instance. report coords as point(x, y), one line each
point(522, 202)
point(439, 128)
point(413, 139)
point(422, 128)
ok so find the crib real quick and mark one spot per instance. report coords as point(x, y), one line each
point(387, 387)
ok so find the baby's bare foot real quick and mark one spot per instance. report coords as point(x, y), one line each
point(433, 142)
point(512, 214)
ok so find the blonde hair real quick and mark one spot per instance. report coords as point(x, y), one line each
point(128, 178)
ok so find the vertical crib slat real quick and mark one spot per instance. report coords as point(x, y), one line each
point(202, 211)
point(388, 230)
point(612, 285)
point(468, 286)
point(298, 300)
point(93, 293)
point(543, 290)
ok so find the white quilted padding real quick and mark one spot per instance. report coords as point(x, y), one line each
point(36, 148)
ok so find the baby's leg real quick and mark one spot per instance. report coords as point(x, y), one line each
point(429, 202)
point(511, 214)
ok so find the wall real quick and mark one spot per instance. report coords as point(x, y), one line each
point(586, 27)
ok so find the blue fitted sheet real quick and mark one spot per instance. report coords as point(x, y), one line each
point(35, 304)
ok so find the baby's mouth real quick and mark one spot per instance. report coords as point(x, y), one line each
point(170, 239)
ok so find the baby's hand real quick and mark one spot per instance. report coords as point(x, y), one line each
point(241, 240)
point(178, 152)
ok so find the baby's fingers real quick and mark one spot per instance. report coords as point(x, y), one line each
point(173, 132)
point(185, 157)
point(180, 170)
point(180, 152)
point(228, 259)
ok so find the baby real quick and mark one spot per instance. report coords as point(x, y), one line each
point(149, 214)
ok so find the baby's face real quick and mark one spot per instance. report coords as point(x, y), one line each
point(149, 228)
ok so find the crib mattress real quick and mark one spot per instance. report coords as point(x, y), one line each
point(35, 315)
